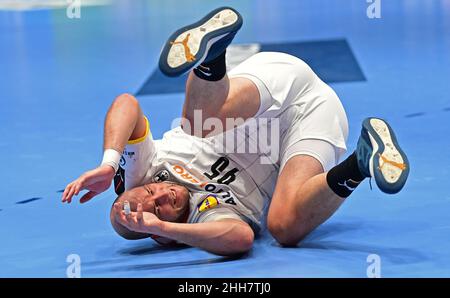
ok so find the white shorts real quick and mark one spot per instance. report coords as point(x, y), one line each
point(311, 117)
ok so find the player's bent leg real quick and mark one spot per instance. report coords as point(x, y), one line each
point(201, 48)
point(378, 155)
point(302, 200)
point(200, 42)
point(238, 98)
point(381, 157)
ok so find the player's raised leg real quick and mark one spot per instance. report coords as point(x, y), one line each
point(304, 197)
point(200, 49)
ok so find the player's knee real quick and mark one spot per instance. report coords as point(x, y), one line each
point(281, 229)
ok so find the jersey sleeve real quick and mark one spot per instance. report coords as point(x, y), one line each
point(219, 214)
point(136, 162)
point(213, 207)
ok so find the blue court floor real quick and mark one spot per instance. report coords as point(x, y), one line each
point(59, 75)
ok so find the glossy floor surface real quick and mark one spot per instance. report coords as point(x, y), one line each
point(59, 75)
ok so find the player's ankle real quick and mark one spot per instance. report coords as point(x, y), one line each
point(345, 177)
point(213, 70)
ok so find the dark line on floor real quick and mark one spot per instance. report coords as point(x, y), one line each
point(447, 109)
point(62, 190)
point(333, 61)
point(28, 200)
point(414, 115)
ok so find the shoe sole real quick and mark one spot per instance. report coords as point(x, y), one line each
point(388, 163)
point(203, 34)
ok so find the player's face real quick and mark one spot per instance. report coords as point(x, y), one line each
point(167, 201)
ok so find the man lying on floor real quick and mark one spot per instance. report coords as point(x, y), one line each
point(186, 189)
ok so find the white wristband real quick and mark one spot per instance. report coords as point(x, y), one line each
point(111, 158)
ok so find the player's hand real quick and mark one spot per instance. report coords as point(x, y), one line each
point(96, 181)
point(141, 222)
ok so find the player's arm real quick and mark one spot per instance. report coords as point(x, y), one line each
point(124, 121)
point(222, 237)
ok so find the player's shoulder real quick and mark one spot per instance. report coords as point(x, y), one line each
point(204, 204)
point(203, 201)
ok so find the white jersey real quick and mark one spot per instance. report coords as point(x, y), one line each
point(239, 181)
point(221, 185)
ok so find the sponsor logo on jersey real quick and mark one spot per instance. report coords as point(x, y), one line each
point(209, 202)
point(184, 174)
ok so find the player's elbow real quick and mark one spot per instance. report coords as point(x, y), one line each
point(246, 240)
point(241, 242)
point(248, 243)
point(126, 100)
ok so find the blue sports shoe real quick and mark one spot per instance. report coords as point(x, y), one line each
point(200, 42)
point(380, 156)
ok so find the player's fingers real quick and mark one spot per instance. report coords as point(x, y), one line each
point(81, 182)
point(117, 207)
point(66, 191)
point(122, 220)
point(72, 191)
point(139, 214)
point(124, 216)
point(127, 210)
point(86, 197)
point(77, 189)
point(127, 220)
point(120, 216)
point(126, 207)
point(70, 194)
point(128, 216)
